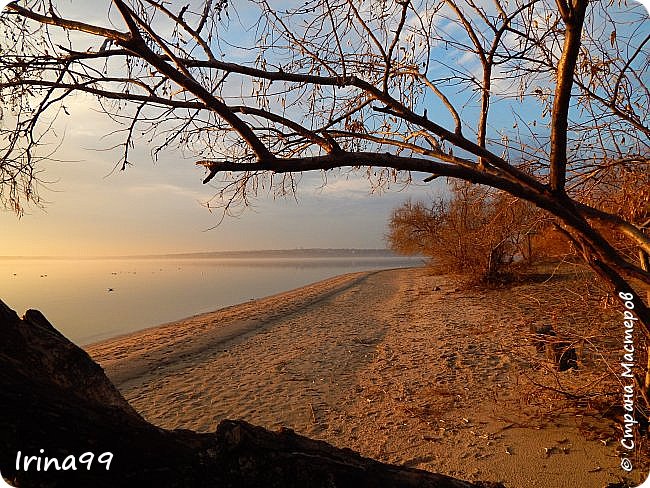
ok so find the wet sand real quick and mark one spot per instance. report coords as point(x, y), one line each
point(404, 366)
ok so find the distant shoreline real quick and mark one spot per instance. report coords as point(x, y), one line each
point(250, 254)
point(132, 294)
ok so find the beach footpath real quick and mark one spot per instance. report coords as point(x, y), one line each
point(405, 366)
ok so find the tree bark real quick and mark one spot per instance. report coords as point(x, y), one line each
point(573, 15)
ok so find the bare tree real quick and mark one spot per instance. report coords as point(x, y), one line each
point(478, 232)
point(544, 100)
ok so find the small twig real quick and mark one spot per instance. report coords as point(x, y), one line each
point(642, 389)
point(313, 414)
point(573, 396)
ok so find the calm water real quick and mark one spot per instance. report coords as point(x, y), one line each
point(74, 294)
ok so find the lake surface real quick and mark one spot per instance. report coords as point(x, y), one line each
point(89, 300)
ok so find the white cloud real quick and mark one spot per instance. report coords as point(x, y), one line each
point(349, 187)
point(162, 189)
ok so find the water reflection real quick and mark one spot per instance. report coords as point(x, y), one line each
point(90, 300)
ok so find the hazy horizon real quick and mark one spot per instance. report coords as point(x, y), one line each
point(157, 205)
point(285, 252)
point(86, 214)
point(89, 209)
point(131, 294)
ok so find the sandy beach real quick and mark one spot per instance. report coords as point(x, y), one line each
point(405, 366)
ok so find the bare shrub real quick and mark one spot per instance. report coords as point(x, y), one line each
point(478, 232)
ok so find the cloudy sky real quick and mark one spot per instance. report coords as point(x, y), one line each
point(90, 209)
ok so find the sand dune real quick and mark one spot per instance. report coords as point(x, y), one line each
point(384, 363)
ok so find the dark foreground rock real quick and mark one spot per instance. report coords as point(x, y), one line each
point(56, 403)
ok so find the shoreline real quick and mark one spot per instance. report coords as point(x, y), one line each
point(403, 365)
point(163, 344)
point(123, 297)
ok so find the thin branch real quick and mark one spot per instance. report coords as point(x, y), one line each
point(68, 24)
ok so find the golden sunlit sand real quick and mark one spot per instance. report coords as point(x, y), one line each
point(404, 366)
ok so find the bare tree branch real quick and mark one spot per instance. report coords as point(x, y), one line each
point(523, 96)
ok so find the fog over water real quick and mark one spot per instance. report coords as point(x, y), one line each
point(89, 300)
